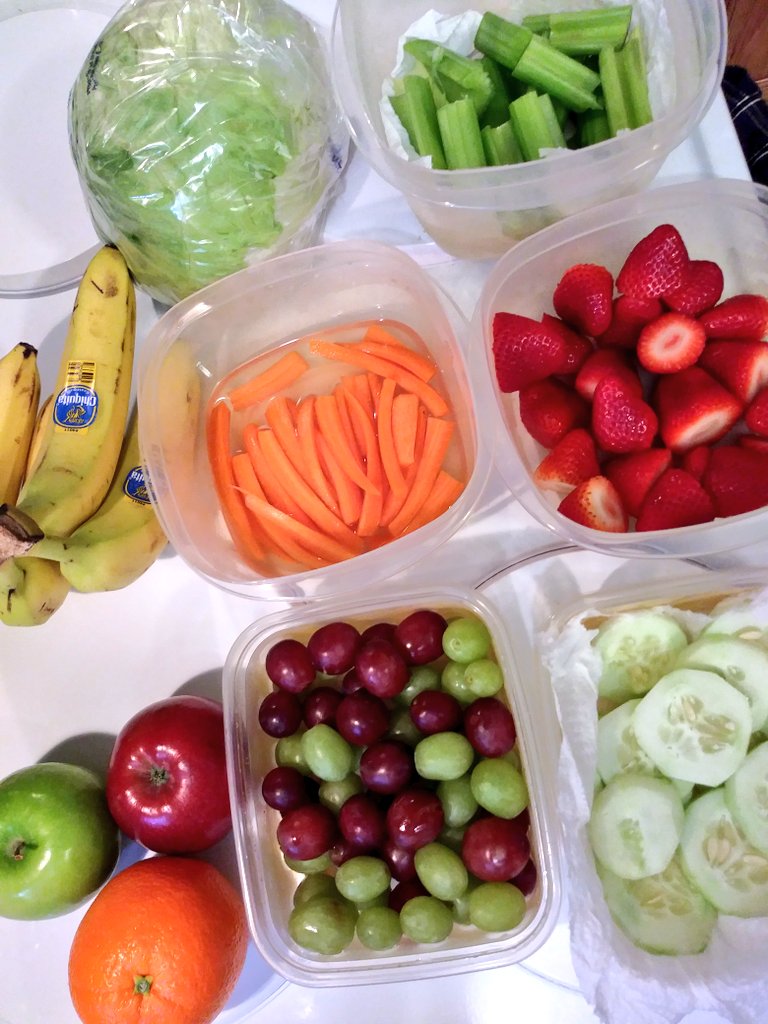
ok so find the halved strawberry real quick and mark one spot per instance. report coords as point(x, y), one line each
point(630, 315)
point(596, 503)
point(693, 409)
point(621, 420)
point(701, 288)
point(577, 347)
point(655, 265)
point(676, 499)
point(754, 443)
point(583, 298)
point(549, 409)
point(634, 474)
point(756, 415)
point(524, 351)
point(741, 366)
point(572, 461)
point(600, 364)
point(670, 343)
point(696, 460)
point(737, 479)
point(741, 316)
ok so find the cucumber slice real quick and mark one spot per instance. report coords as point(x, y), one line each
point(746, 794)
point(637, 649)
point(694, 726)
point(663, 913)
point(740, 616)
point(635, 825)
point(742, 663)
point(720, 860)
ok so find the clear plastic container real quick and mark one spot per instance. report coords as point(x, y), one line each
point(722, 220)
point(202, 340)
point(268, 884)
point(481, 212)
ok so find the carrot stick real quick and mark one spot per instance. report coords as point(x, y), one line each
point(313, 540)
point(374, 383)
point(345, 353)
point(274, 491)
point(405, 417)
point(394, 502)
point(279, 416)
point(436, 441)
point(392, 468)
point(280, 375)
point(356, 445)
point(307, 431)
point(358, 384)
point(370, 513)
point(348, 493)
point(332, 429)
point(446, 490)
point(219, 456)
point(380, 342)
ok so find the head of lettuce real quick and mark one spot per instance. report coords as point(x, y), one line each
point(206, 137)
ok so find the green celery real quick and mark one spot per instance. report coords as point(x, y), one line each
point(561, 112)
point(420, 119)
point(502, 40)
point(454, 75)
point(564, 78)
point(548, 110)
point(613, 91)
point(593, 127)
point(500, 145)
point(635, 80)
point(497, 110)
point(579, 33)
point(460, 134)
point(537, 23)
point(531, 126)
point(400, 107)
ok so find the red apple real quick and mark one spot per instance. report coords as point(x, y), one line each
point(167, 776)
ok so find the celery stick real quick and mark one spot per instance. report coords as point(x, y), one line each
point(564, 78)
point(502, 40)
point(500, 145)
point(460, 134)
point(497, 110)
point(453, 76)
point(548, 110)
point(400, 107)
point(635, 80)
point(593, 127)
point(579, 33)
point(561, 112)
point(425, 51)
point(420, 120)
point(536, 22)
point(531, 126)
point(613, 91)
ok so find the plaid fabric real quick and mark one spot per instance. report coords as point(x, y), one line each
point(749, 113)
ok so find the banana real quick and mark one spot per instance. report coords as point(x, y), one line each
point(19, 397)
point(121, 539)
point(31, 590)
point(81, 443)
point(38, 437)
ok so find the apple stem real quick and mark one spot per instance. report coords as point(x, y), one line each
point(18, 846)
point(142, 983)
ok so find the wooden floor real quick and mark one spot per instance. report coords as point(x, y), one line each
point(748, 38)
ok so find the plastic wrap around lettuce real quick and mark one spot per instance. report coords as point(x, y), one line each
point(206, 137)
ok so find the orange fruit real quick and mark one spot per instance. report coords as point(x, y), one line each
point(163, 943)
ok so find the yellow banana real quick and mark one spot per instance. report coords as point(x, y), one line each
point(19, 397)
point(38, 436)
point(31, 590)
point(121, 539)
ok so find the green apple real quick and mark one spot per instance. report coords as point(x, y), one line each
point(58, 841)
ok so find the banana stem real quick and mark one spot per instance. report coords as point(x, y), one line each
point(53, 549)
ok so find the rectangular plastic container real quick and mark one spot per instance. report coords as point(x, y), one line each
point(479, 213)
point(268, 884)
point(721, 220)
point(203, 340)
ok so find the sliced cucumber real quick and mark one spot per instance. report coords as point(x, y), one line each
point(636, 649)
point(635, 825)
point(663, 913)
point(694, 726)
point(739, 617)
point(742, 663)
point(720, 860)
point(746, 794)
point(617, 749)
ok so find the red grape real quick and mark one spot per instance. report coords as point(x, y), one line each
point(420, 636)
point(526, 879)
point(320, 706)
point(400, 861)
point(342, 850)
point(405, 891)
point(378, 631)
point(285, 789)
point(362, 718)
point(333, 647)
point(495, 849)
point(351, 682)
point(362, 822)
point(382, 668)
point(386, 767)
point(280, 714)
point(289, 666)
point(435, 711)
point(415, 818)
point(489, 727)
point(307, 832)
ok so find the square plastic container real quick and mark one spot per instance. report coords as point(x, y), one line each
point(480, 212)
point(268, 884)
point(202, 341)
point(721, 220)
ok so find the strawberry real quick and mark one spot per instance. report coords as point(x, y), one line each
point(670, 343)
point(756, 416)
point(693, 409)
point(630, 315)
point(696, 460)
point(754, 443)
point(741, 366)
point(601, 363)
point(584, 298)
point(634, 474)
point(737, 479)
point(595, 503)
point(655, 265)
point(741, 316)
point(549, 410)
point(572, 461)
point(621, 420)
point(676, 499)
point(577, 348)
point(525, 351)
point(701, 288)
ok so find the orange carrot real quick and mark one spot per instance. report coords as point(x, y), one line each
point(332, 429)
point(219, 456)
point(279, 416)
point(394, 502)
point(392, 468)
point(358, 384)
point(374, 384)
point(380, 342)
point(351, 355)
point(370, 513)
point(445, 492)
point(436, 441)
point(280, 375)
point(274, 491)
point(349, 494)
point(307, 431)
point(313, 540)
point(356, 445)
point(405, 417)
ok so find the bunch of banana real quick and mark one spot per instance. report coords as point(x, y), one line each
point(19, 396)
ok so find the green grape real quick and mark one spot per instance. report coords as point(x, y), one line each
point(499, 787)
point(441, 871)
point(362, 878)
point(310, 867)
point(323, 925)
point(423, 677)
point(379, 928)
point(288, 753)
point(334, 795)
point(496, 907)
point(313, 886)
point(328, 755)
point(453, 682)
point(466, 639)
point(484, 677)
point(513, 756)
point(426, 919)
point(460, 906)
point(382, 900)
point(403, 728)
point(459, 804)
point(452, 838)
point(445, 755)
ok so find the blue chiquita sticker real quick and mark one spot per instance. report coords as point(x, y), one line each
point(135, 486)
point(76, 407)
